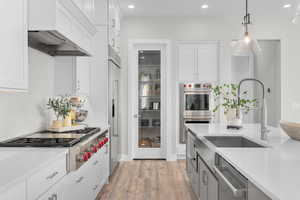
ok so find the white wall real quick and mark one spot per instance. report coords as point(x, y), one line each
point(208, 28)
point(23, 113)
point(267, 69)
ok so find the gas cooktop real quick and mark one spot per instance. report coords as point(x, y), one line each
point(51, 139)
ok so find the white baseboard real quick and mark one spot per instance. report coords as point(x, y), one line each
point(124, 157)
point(172, 157)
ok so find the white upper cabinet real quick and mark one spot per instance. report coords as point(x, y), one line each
point(83, 68)
point(114, 25)
point(187, 62)
point(198, 62)
point(87, 7)
point(14, 48)
point(72, 75)
point(101, 12)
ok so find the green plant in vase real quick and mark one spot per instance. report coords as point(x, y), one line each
point(61, 107)
point(226, 97)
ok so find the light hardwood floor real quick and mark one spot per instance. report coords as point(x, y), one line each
point(149, 180)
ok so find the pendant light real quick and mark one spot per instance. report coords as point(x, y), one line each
point(247, 45)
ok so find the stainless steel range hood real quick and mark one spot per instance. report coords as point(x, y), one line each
point(54, 44)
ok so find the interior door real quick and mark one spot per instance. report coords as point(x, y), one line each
point(149, 102)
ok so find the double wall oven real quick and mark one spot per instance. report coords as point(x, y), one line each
point(195, 105)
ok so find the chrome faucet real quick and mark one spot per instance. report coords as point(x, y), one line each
point(263, 111)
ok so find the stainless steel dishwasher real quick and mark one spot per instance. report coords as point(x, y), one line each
point(232, 185)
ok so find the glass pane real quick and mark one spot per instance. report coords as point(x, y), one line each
point(196, 102)
point(149, 99)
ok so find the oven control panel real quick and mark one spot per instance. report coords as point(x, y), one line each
point(203, 86)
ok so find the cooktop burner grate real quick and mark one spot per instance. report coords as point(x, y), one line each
point(53, 141)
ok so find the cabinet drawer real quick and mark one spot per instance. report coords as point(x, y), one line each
point(45, 178)
point(17, 192)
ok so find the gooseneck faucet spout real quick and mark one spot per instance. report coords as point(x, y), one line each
point(263, 111)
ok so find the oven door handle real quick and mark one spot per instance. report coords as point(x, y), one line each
point(236, 192)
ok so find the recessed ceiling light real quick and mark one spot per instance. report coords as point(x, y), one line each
point(204, 6)
point(287, 6)
point(131, 6)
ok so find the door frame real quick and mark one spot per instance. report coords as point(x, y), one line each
point(166, 143)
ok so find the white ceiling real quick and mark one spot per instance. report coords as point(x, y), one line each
point(216, 7)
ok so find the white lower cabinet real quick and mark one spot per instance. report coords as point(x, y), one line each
point(86, 182)
point(17, 192)
point(45, 178)
point(55, 193)
point(208, 182)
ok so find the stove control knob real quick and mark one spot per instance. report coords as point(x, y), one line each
point(99, 144)
point(82, 157)
point(89, 154)
point(94, 149)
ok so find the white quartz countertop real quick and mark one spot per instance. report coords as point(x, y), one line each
point(274, 170)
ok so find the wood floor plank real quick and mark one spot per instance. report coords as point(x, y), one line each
point(148, 180)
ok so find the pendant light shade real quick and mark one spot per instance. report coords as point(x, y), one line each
point(247, 45)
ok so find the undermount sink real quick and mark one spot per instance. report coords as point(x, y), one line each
point(232, 142)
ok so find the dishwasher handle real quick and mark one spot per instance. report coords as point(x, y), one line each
point(236, 192)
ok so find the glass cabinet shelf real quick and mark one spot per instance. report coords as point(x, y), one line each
point(151, 81)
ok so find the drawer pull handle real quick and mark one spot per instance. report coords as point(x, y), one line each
point(80, 179)
point(52, 176)
point(96, 162)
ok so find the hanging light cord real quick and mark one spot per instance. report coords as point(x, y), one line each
point(247, 19)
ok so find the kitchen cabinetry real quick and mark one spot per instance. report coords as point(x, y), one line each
point(208, 182)
point(83, 67)
point(87, 7)
point(114, 25)
point(45, 178)
point(198, 61)
point(55, 193)
point(14, 51)
point(101, 12)
point(254, 193)
point(87, 181)
point(72, 75)
point(17, 192)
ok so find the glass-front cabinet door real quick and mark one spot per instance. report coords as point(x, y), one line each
point(149, 95)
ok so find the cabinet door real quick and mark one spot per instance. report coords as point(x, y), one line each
point(101, 12)
point(83, 65)
point(187, 61)
point(213, 187)
point(17, 192)
point(255, 194)
point(14, 48)
point(55, 193)
point(207, 69)
point(203, 182)
point(208, 183)
point(78, 185)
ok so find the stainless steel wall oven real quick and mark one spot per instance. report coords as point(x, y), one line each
point(195, 105)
